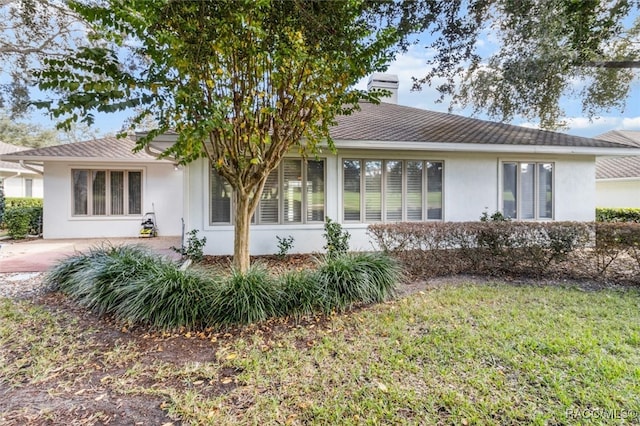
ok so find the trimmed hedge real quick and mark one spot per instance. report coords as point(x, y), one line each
point(570, 249)
point(22, 209)
point(443, 248)
point(11, 202)
point(617, 215)
point(23, 221)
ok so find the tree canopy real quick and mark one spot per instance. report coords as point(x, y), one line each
point(25, 134)
point(546, 50)
point(240, 82)
point(31, 30)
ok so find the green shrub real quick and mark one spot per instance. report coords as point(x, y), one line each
point(356, 278)
point(617, 214)
point(15, 202)
point(135, 285)
point(285, 244)
point(337, 239)
point(247, 298)
point(18, 222)
point(194, 247)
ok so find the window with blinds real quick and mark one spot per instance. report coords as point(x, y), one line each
point(527, 190)
point(106, 192)
point(293, 193)
point(391, 190)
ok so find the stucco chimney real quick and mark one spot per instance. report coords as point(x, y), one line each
point(387, 82)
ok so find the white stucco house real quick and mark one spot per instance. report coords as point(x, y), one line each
point(19, 181)
point(618, 178)
point(394, 163)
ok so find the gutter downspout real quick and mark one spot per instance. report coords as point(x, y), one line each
point(30, 167)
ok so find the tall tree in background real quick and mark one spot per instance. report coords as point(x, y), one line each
point(242, 82)
point(545, 50)
point(31, 30)
point(26, 134)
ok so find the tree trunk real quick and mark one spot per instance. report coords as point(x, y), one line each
point(241, 259)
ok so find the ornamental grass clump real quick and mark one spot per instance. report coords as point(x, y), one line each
point(356, 278)
point(135, 285)
point(301, 294)
point(94, 279)
point(244, 298)
point(168, 297)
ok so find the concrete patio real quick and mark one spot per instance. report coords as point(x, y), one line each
point(38, 255)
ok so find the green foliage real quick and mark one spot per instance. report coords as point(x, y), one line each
point(285, 244)
point(353, 278)
point(194, 248)
point(301, 293)
point(615, 240)
point(337, 240)
point(544, 48)
point(17, 222)
point(169, 297)
point(617, 214)
point(135, 285)
point(497, 216)
point(25, 134)
point(248, 297)
point(23, 202)
point(31, 207)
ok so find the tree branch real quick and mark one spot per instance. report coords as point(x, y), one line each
point(613, 64)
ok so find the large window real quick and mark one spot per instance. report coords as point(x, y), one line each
point(391, 190)
point(527, 190)
point(293, 193)
point(106, 192)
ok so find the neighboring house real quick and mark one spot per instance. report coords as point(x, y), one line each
point(394, 163)
point(618, 178)
point(101, 188)
point(19, 181)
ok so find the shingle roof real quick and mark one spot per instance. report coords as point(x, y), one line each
point(626, 137)
point(109, 148)
point(383, 122)
point(619, 167)
point(390, 122)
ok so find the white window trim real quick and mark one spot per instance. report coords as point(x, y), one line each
point(425, 193)
point(520, 161)
point(108, 169)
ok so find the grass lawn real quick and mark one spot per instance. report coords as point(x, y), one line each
point(458, 354)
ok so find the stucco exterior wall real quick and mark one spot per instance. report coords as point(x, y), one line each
point(471, 186)
point(618, 193)
point(162, 191)
point(16, 186)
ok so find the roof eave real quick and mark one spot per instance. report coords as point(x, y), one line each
point(17, 159)
point(618, 179)
point(487, 148)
